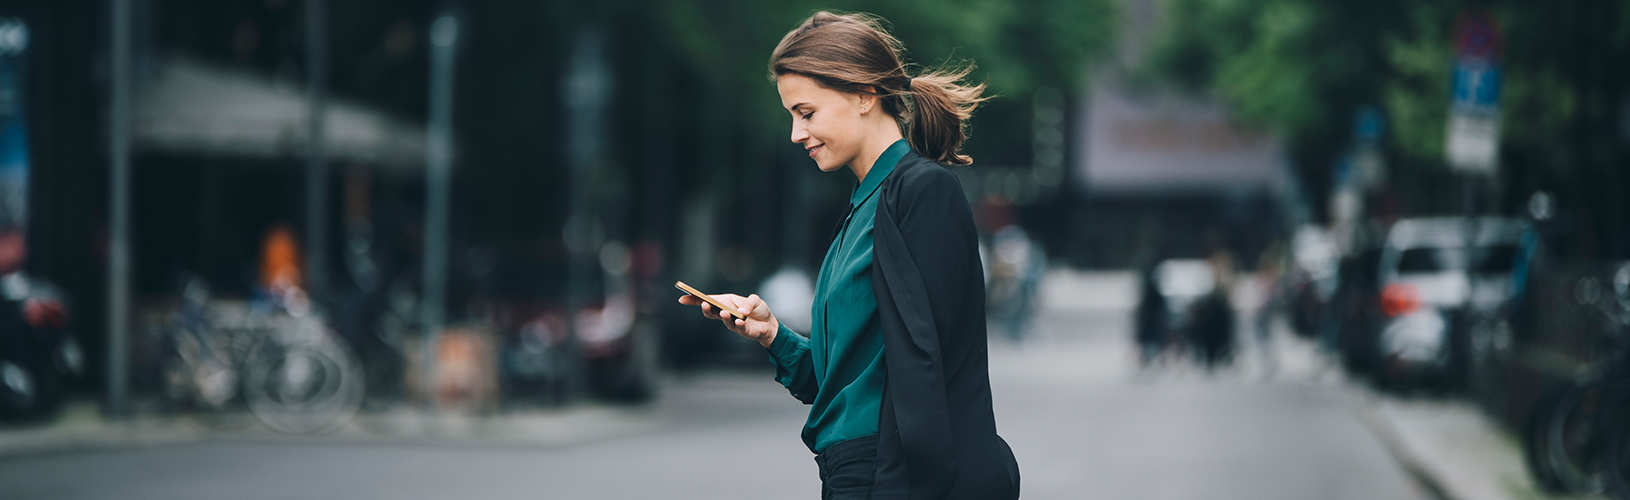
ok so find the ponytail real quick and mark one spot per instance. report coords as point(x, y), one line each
point(853, 53)
point(941, 107)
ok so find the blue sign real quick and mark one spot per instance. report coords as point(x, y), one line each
point(1476, 85)
point(13, 123)
point(1473, 144)
point(1368, 125)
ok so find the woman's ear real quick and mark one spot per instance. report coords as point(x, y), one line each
point(866, 100)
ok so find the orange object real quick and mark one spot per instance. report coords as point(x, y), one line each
point(1399, 299)
point(698, 293)
point(280, 259)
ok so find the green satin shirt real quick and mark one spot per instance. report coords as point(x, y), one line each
point(839, 368)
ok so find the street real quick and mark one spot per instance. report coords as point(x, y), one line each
point(1083, 420)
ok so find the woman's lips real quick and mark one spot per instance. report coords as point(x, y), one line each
point(815, 149)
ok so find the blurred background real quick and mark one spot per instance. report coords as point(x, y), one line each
point(424, 248)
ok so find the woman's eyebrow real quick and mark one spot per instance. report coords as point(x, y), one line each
point(794, 108)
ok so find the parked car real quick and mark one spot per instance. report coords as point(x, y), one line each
point(1435, 274)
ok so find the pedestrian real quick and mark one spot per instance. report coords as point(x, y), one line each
point(1270, 294)
point(1019, 266)
point(1150, 318)
point(1211, 329)
point(895, 366)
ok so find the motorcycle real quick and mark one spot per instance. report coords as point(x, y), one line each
point(39, 357)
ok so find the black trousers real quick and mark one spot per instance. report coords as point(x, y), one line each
point(849, 472)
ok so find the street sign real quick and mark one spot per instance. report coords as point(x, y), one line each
point(14, 153)
point(1473, 144)
point(1476, 85)
point(1366, 157)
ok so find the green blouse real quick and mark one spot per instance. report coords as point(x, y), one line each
point(841, 363)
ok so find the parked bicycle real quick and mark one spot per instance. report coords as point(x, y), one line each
point(274, 356)
point(1577, 438)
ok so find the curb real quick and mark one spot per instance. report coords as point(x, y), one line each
point(1394, 444)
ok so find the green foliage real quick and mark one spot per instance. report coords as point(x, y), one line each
point(1417, 98)
point(1280, 64)
point(1302, 67)
point(1268, 80)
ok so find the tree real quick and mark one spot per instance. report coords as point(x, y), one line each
point(1301, 67)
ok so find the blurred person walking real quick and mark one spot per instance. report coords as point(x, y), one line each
point(1016, 279)
point(1211, 331)
point(1270, 267)
point(1151, 319)
point(895, 365)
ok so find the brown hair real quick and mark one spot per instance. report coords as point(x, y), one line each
point(853, 53)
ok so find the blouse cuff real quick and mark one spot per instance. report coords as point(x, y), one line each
point(785, 346)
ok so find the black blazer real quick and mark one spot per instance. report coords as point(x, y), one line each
point(936, 429)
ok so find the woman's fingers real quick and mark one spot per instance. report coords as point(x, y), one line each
point(737, 303)
point(710, 312)
point(747, 315)
point(757, 307)
point(753, 331)
point(746, 307)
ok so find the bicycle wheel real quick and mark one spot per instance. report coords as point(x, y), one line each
point(1572, 435)
point(1536, 445)
point(1618, 455)
point(302, 387)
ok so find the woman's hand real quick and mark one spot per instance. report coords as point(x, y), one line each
point(751, 318)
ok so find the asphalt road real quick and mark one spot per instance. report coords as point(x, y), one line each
point(1084, 421)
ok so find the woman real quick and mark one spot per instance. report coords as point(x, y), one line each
point(895, 366)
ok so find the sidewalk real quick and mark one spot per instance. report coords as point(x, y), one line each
point(1456, 447)
point(81, 426)
point(1446, 443)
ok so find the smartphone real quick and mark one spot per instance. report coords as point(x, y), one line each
point(698, 293)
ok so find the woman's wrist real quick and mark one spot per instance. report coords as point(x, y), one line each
point(775, 329)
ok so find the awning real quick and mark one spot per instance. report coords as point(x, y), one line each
point(196, 108)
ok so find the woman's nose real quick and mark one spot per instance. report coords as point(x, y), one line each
point(799, 134)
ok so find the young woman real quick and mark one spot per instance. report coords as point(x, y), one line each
point(895, 366)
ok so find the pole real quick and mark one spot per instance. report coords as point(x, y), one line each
point(438, 180)
point(316, 161)
point(119, 215)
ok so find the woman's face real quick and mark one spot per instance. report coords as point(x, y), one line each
point(826, 122)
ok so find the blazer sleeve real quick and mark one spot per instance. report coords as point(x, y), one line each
point(920, 241)
point(793, 367)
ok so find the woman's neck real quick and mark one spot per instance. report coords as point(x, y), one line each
point(877, 143)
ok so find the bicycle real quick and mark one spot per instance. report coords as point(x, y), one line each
point(301, 378)
point(276, 356)
point(1618, 455)
point(1576, 438)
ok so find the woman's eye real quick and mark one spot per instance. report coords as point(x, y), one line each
point(809, 114)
